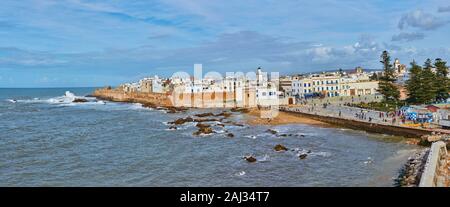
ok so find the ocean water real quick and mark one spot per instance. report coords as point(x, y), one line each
point(46, 140)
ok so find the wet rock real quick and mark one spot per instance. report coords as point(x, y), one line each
point(200, 125)
point(173, 127)
point(204, 130)
point(182, 121)
point(149, 105)
point(242, 110)
point(231, 135)
point(283, 135)
point(224, 114)
point(80, 100)
point(204, 114)
point(173, 109)
point(271, 131)
point(280, 147)
point(250, 158)
point(238, 124)
point(302, 156)
point(220, 125)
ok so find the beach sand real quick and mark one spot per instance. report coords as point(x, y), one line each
point(283, 118)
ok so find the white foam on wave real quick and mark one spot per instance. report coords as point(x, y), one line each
point(322, 154)
point(242, 173)
point(68, 97)
point(137, 106)
point(368, 161)
point(65, 100)
point(265, 158)
point(251, 136)
point(11, 100)
point(220, 131)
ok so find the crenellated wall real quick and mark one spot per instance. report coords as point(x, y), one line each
point(158, 99)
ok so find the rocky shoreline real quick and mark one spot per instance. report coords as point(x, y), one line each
point(411, 172)
point(205, 122)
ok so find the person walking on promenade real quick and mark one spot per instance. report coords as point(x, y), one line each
point(340, 113)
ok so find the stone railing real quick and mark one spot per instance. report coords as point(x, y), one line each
point(434, 172)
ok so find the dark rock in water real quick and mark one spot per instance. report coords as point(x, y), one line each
point(173, 127)
point(224, 114)
point(302, 156)
point(242, 110)
point(221, 125)
point(182, 121)
point(173, 109)
point(272, 131)
point(204, 114)
point(149, 105)
point(238, 124)
point(204, 130)
point(200, 125)
point(280, 147)
point(80, 100)
point(250, 158)
point(309, 151)
point(230, 135)
point(283, 135)
point(302, 135)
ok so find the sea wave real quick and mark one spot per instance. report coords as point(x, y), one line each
point(251, 136)
point(66, 100)
point(242, 173)
point(11, 100)
point(265, 158)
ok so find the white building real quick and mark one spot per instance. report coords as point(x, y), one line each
point(151, 85)
point(326, 84)
point(266, 91)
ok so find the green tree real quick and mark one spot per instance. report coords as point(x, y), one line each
point(442, 82)
point(428, 78)
point(374, 77)
point(386, 85)
point(414, 84)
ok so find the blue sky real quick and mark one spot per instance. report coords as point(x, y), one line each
point(57, 43)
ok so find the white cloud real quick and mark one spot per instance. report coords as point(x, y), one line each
point(408, 37)
point(420, 19)
point(444, 9)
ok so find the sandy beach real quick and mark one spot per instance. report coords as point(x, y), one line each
point(282, 118)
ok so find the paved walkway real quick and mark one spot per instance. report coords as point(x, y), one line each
point(352, 113)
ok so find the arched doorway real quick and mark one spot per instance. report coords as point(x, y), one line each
point(291, 101)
